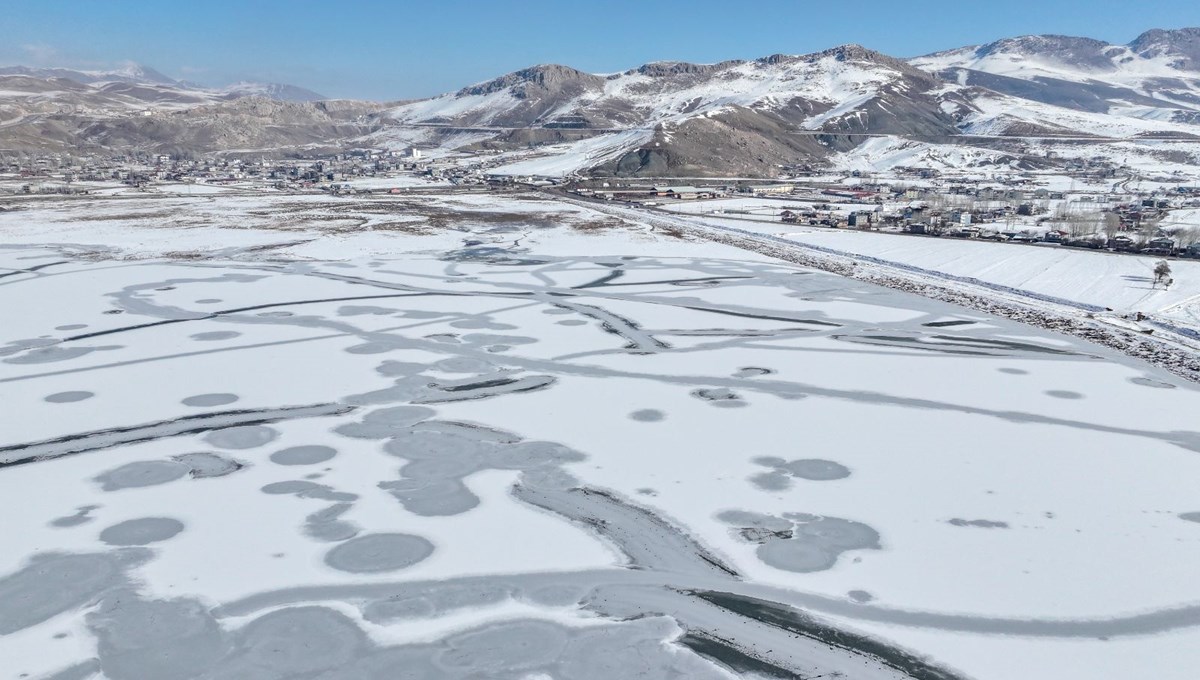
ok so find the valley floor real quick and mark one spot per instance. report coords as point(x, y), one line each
point(483, 435)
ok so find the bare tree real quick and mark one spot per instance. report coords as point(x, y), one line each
point(1162, 273)
point(1112, 224)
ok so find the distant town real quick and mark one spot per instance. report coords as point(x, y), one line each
point(1099, 208)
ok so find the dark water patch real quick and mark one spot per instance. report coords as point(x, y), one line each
point(860, 596)
point(17, 346)
point(713, 394)
point(799, 623)
point(303, 455)
point(81, 516)
point(214, 335)
point(757, 527)
point(752, 372)
point(141, 531)
point(327, 525)
point(303, 489)
point(740, 662)
point(208, 301)
point(980, 523)
point(404, 389)
point(602, 281)
point(463, 365)
point(85, 442)
point(729, 403)
point(512, 645)
point(816, 469)
point(55, 353)
point(375, 347)
point(801, 542)
point(242, 437)
point(399, 369)
point(68, 397)
point(771, 481)
point(141, 474)
point(295, 643)
point(761, 316)
point(375, 553)
point(482, 323)
point(386, 422)
point(955, 344)
point(1063, 394)
point(1190, 516)
point(432, 497)
point(213, 399)
point(483, 389)
point(442, 454)
point(363, 310)
point(71, 327)
point(490, 255)
point(484, 339)
point(204, 465)
point(646, 539)
point(53, 583)
point(648, 415)
point(1013, 371)
point(947, 324)
point(1151, 382)
point(571, 322)
point(140, 639)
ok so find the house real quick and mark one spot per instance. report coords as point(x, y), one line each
point(681, 192)
point(774, 189)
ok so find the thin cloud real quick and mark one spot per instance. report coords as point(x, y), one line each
point(40, 53)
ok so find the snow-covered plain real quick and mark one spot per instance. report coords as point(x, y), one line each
point(1119, 282)
point(531, 442)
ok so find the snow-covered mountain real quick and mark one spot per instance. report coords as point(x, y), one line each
point(53, 109)
point(848, 107)
point(1149, 87)
point(142, 83)
point(738, 116)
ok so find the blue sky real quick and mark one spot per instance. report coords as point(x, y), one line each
point(399, 49)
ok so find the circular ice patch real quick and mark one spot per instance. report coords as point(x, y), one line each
point(215, 335)
point(816, 469)
point(860, 596)
point(378, 552)
point(214, 399)
point(1063, 394)
point(303, 455)
point(141, 473)
point(141, 531)
point(68, 397)
point(241, 437)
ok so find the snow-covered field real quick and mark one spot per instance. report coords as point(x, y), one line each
point(523, 440)
point(1120, 282)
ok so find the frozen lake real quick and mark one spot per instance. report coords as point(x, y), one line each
point(464, 456)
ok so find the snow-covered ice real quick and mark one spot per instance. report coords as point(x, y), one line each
point(336, 454)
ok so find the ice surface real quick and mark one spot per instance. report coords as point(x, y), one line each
point(445, 477)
